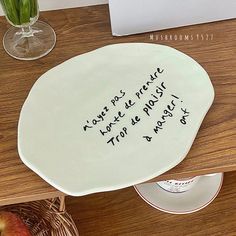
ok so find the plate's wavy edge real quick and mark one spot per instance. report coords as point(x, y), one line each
point(185, 212)
point(117, 186)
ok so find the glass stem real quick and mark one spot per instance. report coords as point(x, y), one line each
point(27, 31)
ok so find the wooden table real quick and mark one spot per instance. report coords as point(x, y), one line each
point(124, 213)
point(85, 29)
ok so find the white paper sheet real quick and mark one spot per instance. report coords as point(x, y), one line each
point(136, 16)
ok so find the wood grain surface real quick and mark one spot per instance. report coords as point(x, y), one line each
point(84, 29)
point(124, 213)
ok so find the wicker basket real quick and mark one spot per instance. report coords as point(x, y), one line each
point(45, 217)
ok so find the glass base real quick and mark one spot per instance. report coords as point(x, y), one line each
point(29, 43)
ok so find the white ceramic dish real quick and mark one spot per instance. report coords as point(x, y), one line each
point(59, 133)
point(195, 199)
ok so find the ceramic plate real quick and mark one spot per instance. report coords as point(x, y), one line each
point(113, 117)
point(195, 199)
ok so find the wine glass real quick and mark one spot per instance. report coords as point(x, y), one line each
point(27, 38)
